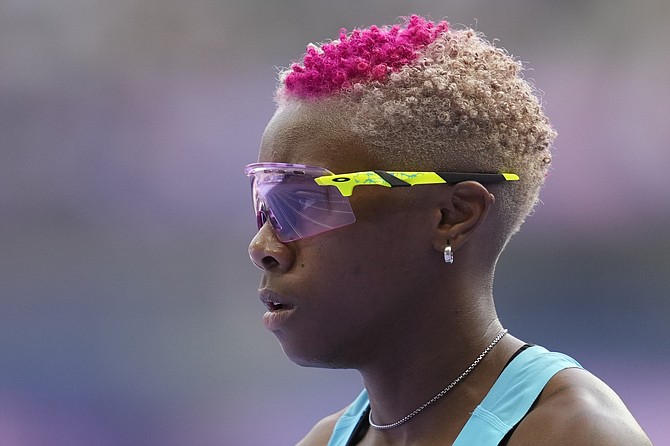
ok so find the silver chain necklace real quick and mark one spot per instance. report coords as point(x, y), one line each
point(442, 392)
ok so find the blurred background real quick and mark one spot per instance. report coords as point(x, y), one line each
point(128, 306)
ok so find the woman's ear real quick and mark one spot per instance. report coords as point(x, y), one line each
point(464, 210)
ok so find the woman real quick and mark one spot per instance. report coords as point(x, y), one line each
point(399, 163)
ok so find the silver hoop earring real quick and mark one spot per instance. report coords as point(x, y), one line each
point(448, 254)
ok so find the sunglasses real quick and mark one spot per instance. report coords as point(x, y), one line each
point(301, 201)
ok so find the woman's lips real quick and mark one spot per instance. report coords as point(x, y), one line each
point(278, 310)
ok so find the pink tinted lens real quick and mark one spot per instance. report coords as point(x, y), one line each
point(297, 207)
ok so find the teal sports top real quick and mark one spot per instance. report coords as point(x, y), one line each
point(505, 405)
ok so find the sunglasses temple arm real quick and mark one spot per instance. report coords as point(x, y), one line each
point(392, 180)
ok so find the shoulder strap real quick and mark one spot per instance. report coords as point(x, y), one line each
point(512, 396)
point(346, 424)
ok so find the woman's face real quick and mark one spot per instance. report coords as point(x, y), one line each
point(337, 298)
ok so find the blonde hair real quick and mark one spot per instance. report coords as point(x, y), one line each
point(460, 104)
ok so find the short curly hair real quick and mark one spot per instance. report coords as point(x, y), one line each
point(424, 96)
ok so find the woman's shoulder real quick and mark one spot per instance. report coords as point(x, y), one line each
point(322, 431)
point(577, 408)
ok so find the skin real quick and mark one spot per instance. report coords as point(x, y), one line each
point(376, 296)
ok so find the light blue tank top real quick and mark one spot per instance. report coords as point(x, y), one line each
point(508, 401)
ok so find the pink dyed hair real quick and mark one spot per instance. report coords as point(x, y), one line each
point(363, 56)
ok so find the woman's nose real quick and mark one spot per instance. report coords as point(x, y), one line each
point(268, 253)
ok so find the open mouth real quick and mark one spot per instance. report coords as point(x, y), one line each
point(274, 303)
point(277, 306)
point(279, 312)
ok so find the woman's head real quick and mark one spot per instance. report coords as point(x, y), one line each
point(413, 98)
point(424, 96)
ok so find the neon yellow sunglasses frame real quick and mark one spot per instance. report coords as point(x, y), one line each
point(291, 197)
point(346, 182)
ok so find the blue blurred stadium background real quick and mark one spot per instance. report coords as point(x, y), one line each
point(128, 310)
